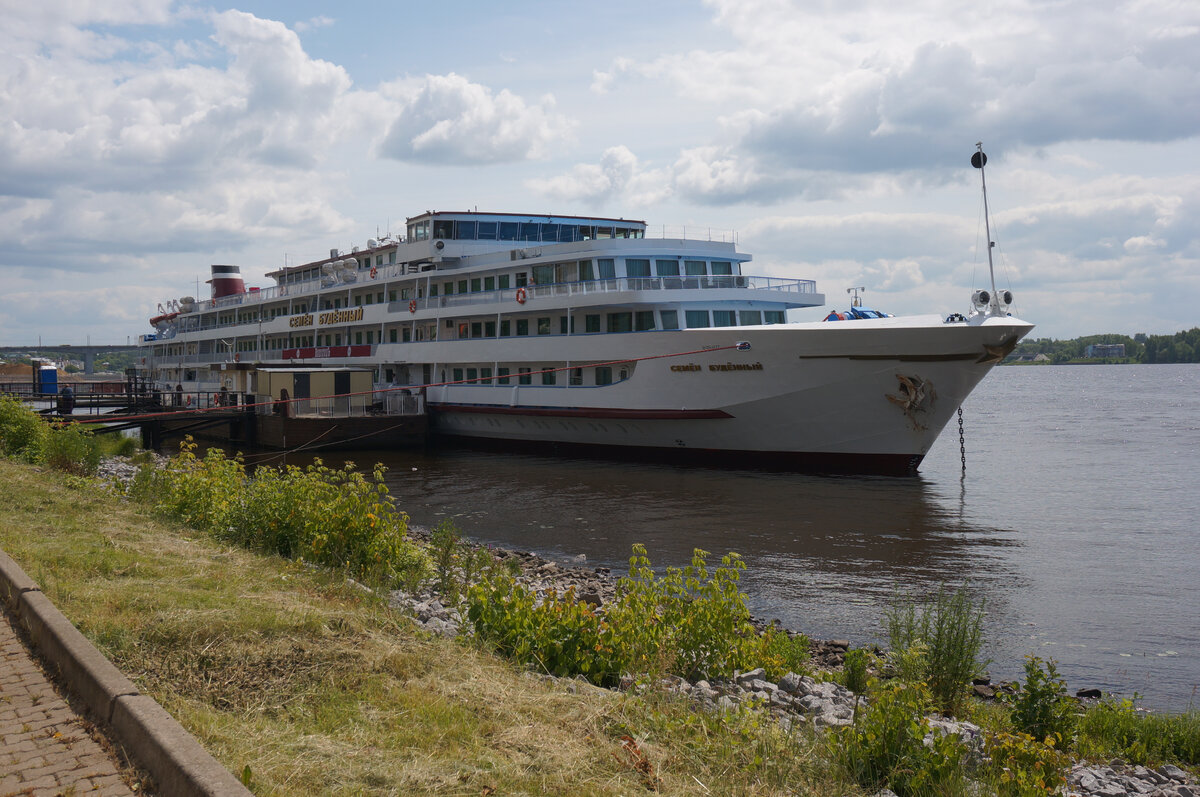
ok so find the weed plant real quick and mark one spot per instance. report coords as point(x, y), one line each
point(688, 622)
point(1022, 766)
point(886, 746)
point(1041, 706)
point(939, 641)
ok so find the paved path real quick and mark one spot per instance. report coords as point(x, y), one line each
point(45, 748)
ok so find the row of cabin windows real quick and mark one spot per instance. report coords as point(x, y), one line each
point(450, 229)
point(293, 277)
point(639, 321)
point(483, 376)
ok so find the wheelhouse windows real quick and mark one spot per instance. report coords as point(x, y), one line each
point(488, 230)
point(666, 268)
point(510, 231)
point(721, 267)
point(696, 318)
point(443, 228)
point(464, 231)
point(529, 231)
point(694, 268)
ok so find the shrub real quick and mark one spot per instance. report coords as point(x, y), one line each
point(886, 746)
point(1022, 766)
point(1040, 706)
point(779, 653)
point(21, 430)
point(950, 629)
point(337, 518)
point(72, 449)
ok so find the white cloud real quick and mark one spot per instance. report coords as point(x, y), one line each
point(313, 23)
point(447, 119)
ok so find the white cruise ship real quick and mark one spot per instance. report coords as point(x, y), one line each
point(594, 335)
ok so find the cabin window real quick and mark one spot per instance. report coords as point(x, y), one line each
point(502, 376)
point(407, 336)
point(391, 336)
point(636, 267)
point(549, 377)
point(489, 283)
point(457, 375)
point(505, 328)
point(489, 329)
point(358, 300)
point(485, 376)
point(543, 275)
point(724, 318)
point(773, 316)
point(620, 322)
point(606, 268)
point(502, 282)
point(379, 260)
point(603, 375)
point(543, 326)
point(370, 298)
point(477, 329)
point(358, 338)
point(750, 318)
point(696, 318)
point(576, 377)
point(694, 268)
point(666, 268)
point(591, 323)
point(523, 377)
point(476, 285)
point(487, 230)
point(433, 290)
point(392, 295)
point(472, 375)
point(463, 330)
point(522, 279)
point(562, 325)
point(669, 318)
point(643, 320)
point(379, 297)
point(462, 286)
point(522, 326)
point(586, 272)
point(391, 257)
point(448, 288)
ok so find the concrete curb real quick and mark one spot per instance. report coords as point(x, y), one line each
point(152, 738)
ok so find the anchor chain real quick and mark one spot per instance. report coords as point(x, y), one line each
point(962, 441)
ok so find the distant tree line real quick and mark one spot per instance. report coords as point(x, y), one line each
point(1182, 347)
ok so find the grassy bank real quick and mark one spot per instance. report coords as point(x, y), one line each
point(310, 686)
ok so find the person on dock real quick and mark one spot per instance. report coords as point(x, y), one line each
point(179, 395)
point(66, 400)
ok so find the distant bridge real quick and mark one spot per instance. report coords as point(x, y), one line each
point(87, 352)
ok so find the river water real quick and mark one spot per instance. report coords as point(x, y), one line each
point(1075, 522)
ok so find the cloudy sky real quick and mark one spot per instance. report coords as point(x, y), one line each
point(142, 140)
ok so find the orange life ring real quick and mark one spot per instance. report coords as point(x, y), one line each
point(521, 295)
point(412, 305)
point(374, 272)
point(189, 401)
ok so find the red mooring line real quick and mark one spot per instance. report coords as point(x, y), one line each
point(203, 410)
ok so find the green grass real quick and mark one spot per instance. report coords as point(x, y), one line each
point(319, 689)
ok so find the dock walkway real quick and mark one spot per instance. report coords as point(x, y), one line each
point(45, 745)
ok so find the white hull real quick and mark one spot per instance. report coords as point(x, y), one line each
point(828, 395)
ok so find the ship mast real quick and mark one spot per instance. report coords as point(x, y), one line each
point(979, 160)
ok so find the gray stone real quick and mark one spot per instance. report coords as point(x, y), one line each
point(1173, 772)
point(757, 674)
point(790, 683)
